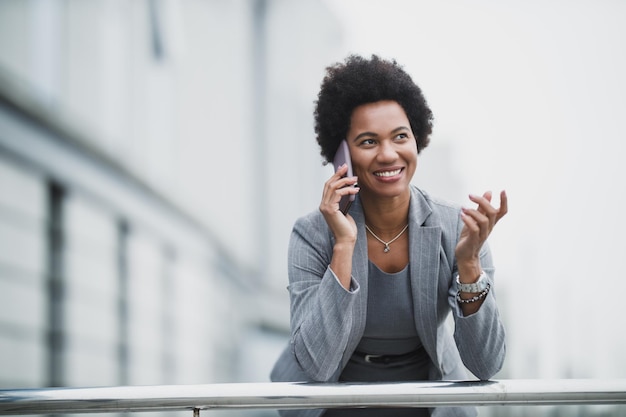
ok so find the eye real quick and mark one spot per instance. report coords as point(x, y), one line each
point(367, 142)
point(401, 136)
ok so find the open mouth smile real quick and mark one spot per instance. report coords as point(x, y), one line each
point(388, 173)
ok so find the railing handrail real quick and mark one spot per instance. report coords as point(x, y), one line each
point(288, 395)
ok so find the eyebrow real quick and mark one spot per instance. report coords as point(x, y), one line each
point(367, 134)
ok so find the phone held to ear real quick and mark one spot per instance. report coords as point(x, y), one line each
point(343, 157)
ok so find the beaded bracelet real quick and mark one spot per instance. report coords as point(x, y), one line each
point(475, 298)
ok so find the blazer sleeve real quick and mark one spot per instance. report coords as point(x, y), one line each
point(321, 308)
point(480, 337)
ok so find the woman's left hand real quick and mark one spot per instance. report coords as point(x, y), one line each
point(479, 223)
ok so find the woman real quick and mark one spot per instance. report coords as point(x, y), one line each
point(370, 290)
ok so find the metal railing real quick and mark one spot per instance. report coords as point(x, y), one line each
point(311, 395)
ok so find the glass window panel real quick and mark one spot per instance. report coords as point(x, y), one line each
point(91, 293)
point(22, 266)
point(21, 247)
point(195, 318)
point(21, 362)
point(145, 299)
point(91, 251)
point(21, 303)
point(94, 273)
point(91, 364)
point(21, 191)
point(91, 317)
point(89, 222)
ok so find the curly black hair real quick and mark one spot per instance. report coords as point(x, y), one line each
point(359, 81)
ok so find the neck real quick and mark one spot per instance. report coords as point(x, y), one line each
point(386, 215)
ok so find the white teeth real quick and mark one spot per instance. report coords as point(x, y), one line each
point(387, 173)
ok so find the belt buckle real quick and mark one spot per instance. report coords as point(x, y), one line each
point(368, 358)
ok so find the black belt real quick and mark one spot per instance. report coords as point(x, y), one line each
point(387, 359)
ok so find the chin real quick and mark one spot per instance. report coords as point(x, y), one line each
point(392, 192)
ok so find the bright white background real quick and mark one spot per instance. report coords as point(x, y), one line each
point(530, 97)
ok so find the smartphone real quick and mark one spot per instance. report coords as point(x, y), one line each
point(343, 157)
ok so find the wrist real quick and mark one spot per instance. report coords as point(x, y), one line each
point(341, 263)
point(481, 285)
point(344, 245)
point(342, 254)
point(469, 271)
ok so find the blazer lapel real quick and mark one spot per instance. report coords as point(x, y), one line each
point(424, 247)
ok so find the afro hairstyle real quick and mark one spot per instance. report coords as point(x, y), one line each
point(358, 81)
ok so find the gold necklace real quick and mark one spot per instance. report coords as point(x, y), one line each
point(387, 249)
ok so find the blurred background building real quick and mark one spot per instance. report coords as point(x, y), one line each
point(154, 155)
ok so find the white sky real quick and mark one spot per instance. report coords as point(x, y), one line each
point(529, 96)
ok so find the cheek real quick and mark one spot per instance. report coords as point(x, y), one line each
point(358, 170)
point(357, 165)
point(413, 162)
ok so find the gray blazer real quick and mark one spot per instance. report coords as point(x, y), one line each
point(327, 321)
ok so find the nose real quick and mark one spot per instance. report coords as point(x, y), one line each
point(386, 152)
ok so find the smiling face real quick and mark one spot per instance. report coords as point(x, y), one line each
point(383, 149)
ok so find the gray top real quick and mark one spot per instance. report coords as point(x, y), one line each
point(389, 330)
point(390, 325)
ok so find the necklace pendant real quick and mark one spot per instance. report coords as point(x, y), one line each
point(387, 249)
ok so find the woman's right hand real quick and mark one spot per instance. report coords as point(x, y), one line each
point(342, 226)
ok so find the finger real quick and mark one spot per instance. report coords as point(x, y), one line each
point(492, 215)
point(341, 171)
point(484, 200)
point(343, 191)
point(484, 205)
point(337, 180)
point(342, 186)
point(337, 175)
point(468, 220)
point(336, 188)
point(504, 205)
point(478, 222)
point(345, 182)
